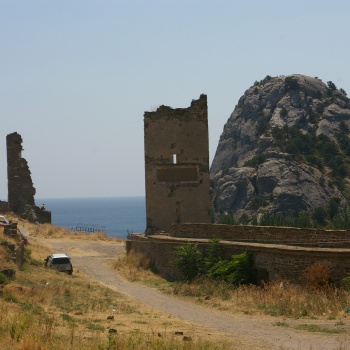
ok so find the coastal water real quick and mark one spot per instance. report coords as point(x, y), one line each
point(117, 216)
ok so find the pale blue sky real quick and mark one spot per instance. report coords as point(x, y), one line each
point(77, 75)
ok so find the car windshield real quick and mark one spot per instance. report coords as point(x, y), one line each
point(57, 261)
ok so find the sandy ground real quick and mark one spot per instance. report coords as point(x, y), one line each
point(94, 258)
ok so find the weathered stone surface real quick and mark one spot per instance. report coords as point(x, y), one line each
point(20, 186)
point(297, 101)
point(21, 190)
point(177, 165)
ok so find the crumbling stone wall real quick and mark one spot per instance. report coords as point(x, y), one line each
point(20, 186)
point(177, 165)
point(21, 190)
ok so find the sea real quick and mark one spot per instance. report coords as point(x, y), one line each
point(116, 216)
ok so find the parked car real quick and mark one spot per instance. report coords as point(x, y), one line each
point(3, 221)
point(60, 262)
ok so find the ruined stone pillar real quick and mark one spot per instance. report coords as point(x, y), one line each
point(20, 186)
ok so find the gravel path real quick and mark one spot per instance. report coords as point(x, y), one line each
point(92, 258)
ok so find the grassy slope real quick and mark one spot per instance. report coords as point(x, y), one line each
point(44, 309)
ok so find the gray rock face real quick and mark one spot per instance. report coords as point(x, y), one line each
point(271, 156)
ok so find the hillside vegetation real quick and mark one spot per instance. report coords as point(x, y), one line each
point(43, 309)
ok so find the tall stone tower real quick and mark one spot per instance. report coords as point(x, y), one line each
point(177, 165)
point(20, 186)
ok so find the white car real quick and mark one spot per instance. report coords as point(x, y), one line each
point(60, 262)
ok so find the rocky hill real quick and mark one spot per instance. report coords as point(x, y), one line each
point(285, 149)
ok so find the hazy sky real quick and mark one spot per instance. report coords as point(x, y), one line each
point(77, 75)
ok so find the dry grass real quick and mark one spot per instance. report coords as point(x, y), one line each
point(51, 231)
point(43, 309)
point(133, 266)
point(277, 298)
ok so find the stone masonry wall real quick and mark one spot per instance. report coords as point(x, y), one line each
point(177, 165)
point(272, 261)
point(21, 190)
point(265, 234)
point(20, 186)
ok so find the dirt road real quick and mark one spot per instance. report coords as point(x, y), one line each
point(93, 258)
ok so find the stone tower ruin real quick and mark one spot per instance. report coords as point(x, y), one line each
point(177, 165)
point(21, 190)
point(20, 186)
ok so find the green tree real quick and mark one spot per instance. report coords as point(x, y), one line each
point(333, 207)
point(319, 215)
point(291, 83)
point(331, 86)
point(343, 91)
point(213, 254)
point(188, 260)
point(212, 214)
point(238, 270)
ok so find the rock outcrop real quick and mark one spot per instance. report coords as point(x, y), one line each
point(285, 148)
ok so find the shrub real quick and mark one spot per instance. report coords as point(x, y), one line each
point(227, 219)
point(319, 215)
point(291, 83)
point(257, 202)
point(283, 112)
point(333, 207)
point(256, 160)
point(189, 260)
point(343, 91)
point(244, 219)
point(213, 254)
point(316, 276)
point(261, 126)
point(331, 86)
point(3, 279)
point(239, 270)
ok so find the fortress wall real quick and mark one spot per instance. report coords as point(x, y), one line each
point(265, 234)
point(272, 261)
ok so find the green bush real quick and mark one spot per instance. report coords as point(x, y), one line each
point(320, 215)
point(3, 279)
point(346, 283)
point(257, 202)
point(333, 207)
point(227, 219)
point(291, 83)
point(238, 270)
point(189, 260)
point(28, 258)
point(213, 254)
point(261, 126)
point(256, 160)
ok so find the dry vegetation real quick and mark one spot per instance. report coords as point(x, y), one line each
point(51, 231)
point(316, 299)
point(44, 309)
